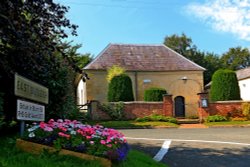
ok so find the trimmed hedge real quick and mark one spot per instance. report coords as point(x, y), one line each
point(224, 86)
point(120, 89)
point(154, 94)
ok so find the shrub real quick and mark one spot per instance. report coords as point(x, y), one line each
point(246, 110)
point(113, 71)
point(156, 117)
point(120, 89)
point(224, 86)
point(216, 118)
point(115, 110)
point(154, 94)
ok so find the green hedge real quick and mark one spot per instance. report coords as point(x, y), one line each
point(120, 89)
point(154, 94)
point(224, 86)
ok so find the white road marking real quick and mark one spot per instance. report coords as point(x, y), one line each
point(200, 141)
point(163, 151)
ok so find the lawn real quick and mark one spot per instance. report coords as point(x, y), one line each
point(10, 156)
point(228, 123)
point(133, 124)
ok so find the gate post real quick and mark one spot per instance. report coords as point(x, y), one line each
point(202, 108)
point(167, 105)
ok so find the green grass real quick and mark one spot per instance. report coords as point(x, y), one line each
point(10, 156)
point(133, 124)
point(225, 123)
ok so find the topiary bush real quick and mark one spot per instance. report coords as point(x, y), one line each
point(224, 86)
point(120, 89)
point(154, 94)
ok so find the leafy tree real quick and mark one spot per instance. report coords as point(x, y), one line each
point(78, 60)
point(236, 58)
point(212, 63)
point(224, 86)
point(184, 46)
point(113, 71)
point(120, 89)
point(30, 44)
point(181, 44)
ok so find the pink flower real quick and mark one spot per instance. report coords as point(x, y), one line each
point(42, 125)
point(64, 135)
point(103, 142)
point(88, 137)
point(109, 145)
point(48, 129)
point(92, 142)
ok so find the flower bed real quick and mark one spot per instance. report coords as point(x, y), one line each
point(75, 136)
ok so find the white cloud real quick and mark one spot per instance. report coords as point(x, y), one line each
point(231, 16)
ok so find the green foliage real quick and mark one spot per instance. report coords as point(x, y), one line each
point(216, 118)
point(156, 117)
point(114, 110)
point(120, 89)
point(181, 44)
point(236, 58)
point(31, 33)
point(224, 86)
point(113, 71)
point(154, 94)
point(184, 46)
point(246, 110)
point(11, 156)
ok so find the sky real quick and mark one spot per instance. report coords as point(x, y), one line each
point(213, 25)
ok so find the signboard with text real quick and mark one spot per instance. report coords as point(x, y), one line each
point(30, 111)
point(30, 90)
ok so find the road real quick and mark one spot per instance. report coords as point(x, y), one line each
point(212, 147)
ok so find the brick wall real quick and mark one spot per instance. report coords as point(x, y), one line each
point(136, 109)
point(220, 108)
point(224, 108)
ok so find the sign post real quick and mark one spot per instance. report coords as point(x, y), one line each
point(29, 111)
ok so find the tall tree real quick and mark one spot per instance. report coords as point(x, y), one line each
point(181, 44)
point(236, 58)
point(30, 35)
point(184, 46)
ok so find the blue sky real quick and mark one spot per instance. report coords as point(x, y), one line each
point(213, 25)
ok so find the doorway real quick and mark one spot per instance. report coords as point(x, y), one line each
point(179, 103)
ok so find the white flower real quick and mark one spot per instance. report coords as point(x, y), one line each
point(32, 134)
point(73, 132)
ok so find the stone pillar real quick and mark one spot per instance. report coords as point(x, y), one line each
point(167, 105)
point(203, 110)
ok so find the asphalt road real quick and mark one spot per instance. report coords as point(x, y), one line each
point(212, 147)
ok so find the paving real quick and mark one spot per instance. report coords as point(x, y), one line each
point(194, 147)
point(192, 126)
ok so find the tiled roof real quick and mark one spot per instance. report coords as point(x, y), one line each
point(243, 73)
point(142, 58)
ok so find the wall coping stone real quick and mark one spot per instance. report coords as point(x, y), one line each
point(144, 102)
point(229, 101)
